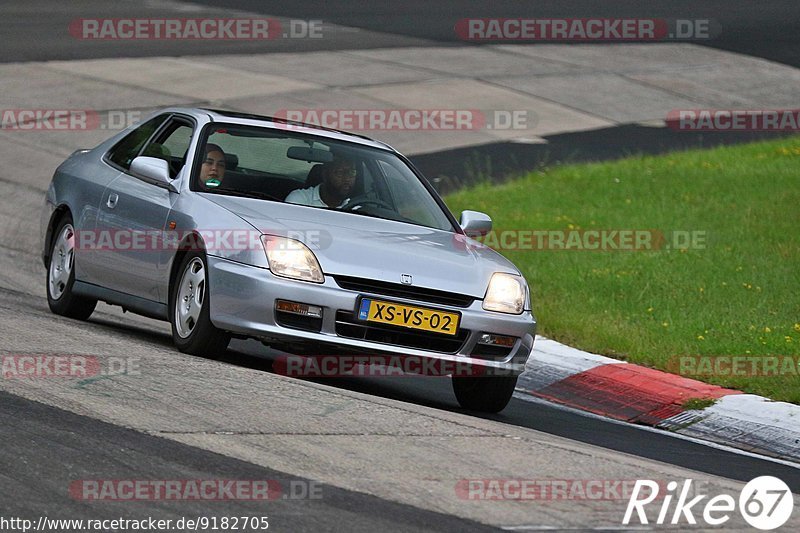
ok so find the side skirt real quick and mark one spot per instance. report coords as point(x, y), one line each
point(134, 304)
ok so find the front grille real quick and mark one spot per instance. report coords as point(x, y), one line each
point(404, 291)
point(348, 326)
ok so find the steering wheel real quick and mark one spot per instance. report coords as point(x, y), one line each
point(363, 200)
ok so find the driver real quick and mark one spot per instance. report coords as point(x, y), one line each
point(338, 180)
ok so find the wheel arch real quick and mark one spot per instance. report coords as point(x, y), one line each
point(193, 242)
point(55, 220)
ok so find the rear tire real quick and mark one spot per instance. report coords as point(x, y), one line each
point(189, 315)
point(487, 394)
point(61, 275)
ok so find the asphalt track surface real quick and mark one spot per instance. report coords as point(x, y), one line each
point(44, 448)
point(762, 29)
point(67, 437)
point(542, 416)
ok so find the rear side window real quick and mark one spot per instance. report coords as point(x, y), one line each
point(171, 144)
point(124, 152)
point(178, 140)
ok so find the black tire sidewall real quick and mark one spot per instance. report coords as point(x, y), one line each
point(68, 304)
point(205, 339)
point(485, 394)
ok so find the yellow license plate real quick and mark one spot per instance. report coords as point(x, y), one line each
point(408, 316)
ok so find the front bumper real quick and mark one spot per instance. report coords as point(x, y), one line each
point(243, 302)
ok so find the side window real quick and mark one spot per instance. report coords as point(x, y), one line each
point(178, 141)
point(171, 145)
point(123, 153)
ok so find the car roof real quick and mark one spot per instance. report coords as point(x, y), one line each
point(248, 119)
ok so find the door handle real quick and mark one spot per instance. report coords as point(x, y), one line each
point(112, 200)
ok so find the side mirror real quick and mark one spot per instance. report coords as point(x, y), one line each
point(153, 170)
point(475, 223)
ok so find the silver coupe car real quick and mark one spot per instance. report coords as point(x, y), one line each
point(311, 240)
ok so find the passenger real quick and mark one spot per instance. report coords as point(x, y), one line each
point(212, 171)
point(338, 180)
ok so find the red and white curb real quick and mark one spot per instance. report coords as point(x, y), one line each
point(641, 395)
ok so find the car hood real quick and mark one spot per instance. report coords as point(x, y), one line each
point(347, 244)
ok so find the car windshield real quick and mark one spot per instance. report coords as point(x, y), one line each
point(292, 167)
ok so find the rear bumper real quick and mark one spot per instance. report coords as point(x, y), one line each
point(243, 302)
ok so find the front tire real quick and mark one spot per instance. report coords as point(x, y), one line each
point(192, 330)
point(487, 394)
point(61, 275)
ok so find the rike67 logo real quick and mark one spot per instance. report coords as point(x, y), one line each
point(765, 503)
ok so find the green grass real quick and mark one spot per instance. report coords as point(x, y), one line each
point(698, 403)
point(740, 295)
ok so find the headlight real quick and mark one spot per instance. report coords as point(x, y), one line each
point(506, 294)
point(291, 259)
